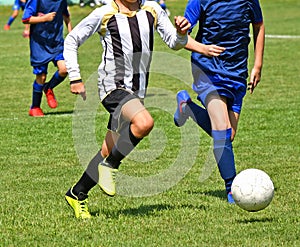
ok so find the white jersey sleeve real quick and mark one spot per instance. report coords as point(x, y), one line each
point(87, 27)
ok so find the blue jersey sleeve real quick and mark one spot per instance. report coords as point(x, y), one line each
point(193, 12)
point(65, 8)
point(257, 13)
point(30, 9)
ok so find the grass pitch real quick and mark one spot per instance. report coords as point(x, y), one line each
point(170, 192)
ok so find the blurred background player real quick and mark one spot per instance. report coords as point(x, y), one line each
point(19, 4)
point(162, 4)
point(221, 82)
point(46, 19)
point(93, 3)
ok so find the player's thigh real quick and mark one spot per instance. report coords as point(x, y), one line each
point(139, 117)
point(217, 109)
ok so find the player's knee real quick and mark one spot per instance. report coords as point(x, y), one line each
point(221, 126)
point(15, 14)
point(143, 126)
point(41, 78)
point(63, 72)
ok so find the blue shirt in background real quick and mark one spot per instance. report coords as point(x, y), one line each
point(46, 39)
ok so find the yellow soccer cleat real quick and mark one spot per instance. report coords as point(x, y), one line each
point(79, 204)
point(107, 179)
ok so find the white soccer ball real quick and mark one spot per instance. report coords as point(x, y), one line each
point(252, 189)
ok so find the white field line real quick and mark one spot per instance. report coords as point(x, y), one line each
point(271, 36)
point(54, 115)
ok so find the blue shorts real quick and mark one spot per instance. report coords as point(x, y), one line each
point(18, 5)
point(205, 84)
point(43, 69)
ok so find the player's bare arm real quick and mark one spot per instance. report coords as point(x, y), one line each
point(182, 25)
point(207, 50)
point(259, 44)
point(41, 18)
point(68, 23)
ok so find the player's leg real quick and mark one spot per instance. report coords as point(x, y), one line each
point(90, 176)
point(57, 78)
point(140, 126)
point(187, 108)
point(11, 19)
point(133, 122)
point(234, 119)
point(59, 75)
point(77, 195)
point(37, 91)
point(222, 135)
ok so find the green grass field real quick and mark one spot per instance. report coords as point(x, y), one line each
point(170, 192)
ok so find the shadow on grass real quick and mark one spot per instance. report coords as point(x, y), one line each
point(59, 113)
point(215, 193)
point(254, 220)
point(145, 210)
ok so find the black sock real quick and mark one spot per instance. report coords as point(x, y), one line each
point(90, 177)
point(37, 93)
point(36, 99)
point(54, 81)
point(125, 144)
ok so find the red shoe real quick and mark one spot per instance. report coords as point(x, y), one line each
point(51, 98)
point(6, 27)
point(36, 112)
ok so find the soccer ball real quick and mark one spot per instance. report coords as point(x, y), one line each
point(252, 190)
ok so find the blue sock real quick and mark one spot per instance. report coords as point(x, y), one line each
point(10, 20)
point(224, 156)
point(37, 94)
point(199, 115)
point(55, 80)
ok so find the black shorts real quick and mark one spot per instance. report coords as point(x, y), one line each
point(113, 103)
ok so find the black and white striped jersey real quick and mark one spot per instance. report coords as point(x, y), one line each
point(127, 41)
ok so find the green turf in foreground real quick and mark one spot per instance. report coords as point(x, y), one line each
point(38, 158)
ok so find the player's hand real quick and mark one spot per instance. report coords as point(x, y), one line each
point(213, 50)
point(49, 17)
point(254, 79)
point(78, 88)
point(182, 25)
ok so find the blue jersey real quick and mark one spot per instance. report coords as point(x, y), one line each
point(227, 24)
point(46, 39)
point(18, 5)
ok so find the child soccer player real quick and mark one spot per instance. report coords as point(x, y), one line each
point(46, 18)
point(220, 82)
point(162, 4)
point(126, 29)
point(19, 4)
